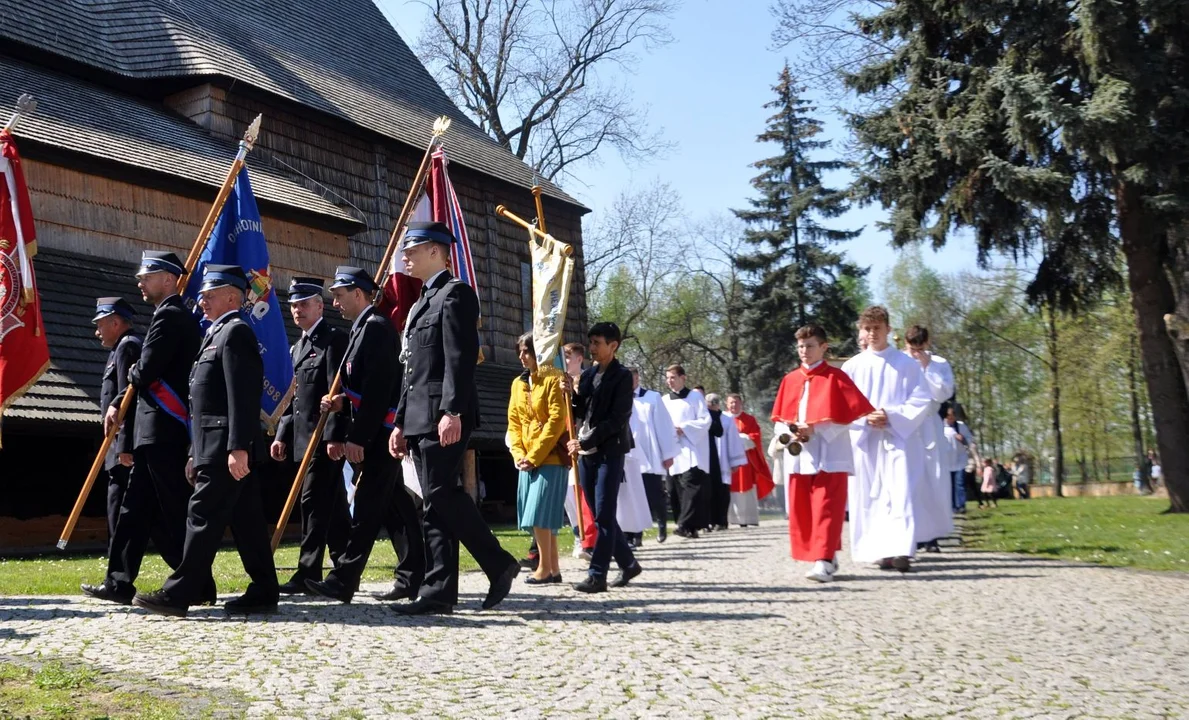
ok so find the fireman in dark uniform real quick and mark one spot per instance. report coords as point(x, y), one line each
point(438, 411)
point(155, 501)
point(371, 387)
point(113, 327)
point(225, 387)
point(325, 518)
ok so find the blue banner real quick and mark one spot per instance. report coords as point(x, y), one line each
point(238, 239)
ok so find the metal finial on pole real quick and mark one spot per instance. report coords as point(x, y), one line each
point(26, 105)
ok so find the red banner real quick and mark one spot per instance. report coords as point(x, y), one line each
point(24, 351)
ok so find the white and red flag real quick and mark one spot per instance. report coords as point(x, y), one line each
point(24, 351)
point(439, 204)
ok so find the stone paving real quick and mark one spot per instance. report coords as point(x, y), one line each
point(723, 626)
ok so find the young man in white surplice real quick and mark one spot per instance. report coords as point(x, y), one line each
point(932, 502)
point(689, 471)
point(656, 446)
point(889, 455)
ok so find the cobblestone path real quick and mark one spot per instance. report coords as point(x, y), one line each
point(724, 626)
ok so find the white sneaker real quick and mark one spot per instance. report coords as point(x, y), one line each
point(577, 551)
point(585, 555)
point(820, 572)
point(832, 564)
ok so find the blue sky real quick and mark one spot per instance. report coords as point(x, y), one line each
point(707, 90)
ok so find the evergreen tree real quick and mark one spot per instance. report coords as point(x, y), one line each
point(1057, 129)
point(795, 276)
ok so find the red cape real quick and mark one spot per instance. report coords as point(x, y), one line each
point(756, 473)
point(833, 397)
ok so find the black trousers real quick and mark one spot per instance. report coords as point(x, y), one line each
point(683, 498)
point(403, 523)
point(451, 517)
point(117, 484)
point(154, 506)
point(721, 500)
point(219, 501)
point(375, 478)
point(325, 517)
point(654, 489)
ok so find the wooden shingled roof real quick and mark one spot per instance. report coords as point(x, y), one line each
point(342, 58)
point(69, 391)
point(92, 120)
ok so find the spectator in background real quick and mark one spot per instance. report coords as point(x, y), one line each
point(988, 489)
point(1022, 470)
point(1157, 473)
point(961, 443)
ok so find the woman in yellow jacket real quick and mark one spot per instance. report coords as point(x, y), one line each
point(536, 423)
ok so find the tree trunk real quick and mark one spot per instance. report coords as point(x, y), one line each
point(1137, 432)
point(1152, 298)
point(1055, 400)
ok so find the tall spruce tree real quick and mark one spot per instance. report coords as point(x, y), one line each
point(1058, 129)
point(795, 276)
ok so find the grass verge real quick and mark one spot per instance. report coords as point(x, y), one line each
point(53, 574)
point(55, 690)
point(1121, 531)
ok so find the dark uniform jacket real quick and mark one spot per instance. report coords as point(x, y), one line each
point(443, 352)
point(371, 378)
point(225, 387)
point(115, 379)
point(607, 409)
point(161, 375)
point(316, 360)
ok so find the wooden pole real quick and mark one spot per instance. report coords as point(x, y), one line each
point(540, 231)
point(440, 126)
point(245, 146)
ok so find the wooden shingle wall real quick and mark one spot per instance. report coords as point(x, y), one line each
point(101, 217)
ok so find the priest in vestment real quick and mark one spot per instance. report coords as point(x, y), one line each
point(726, 454)
point(814, 407)
point(889, 456)
point(753, 481)
point(932, 502)
point(689, 472)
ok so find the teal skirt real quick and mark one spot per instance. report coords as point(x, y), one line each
point(541, 498)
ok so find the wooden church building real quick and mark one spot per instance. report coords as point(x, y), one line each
point(141, 104)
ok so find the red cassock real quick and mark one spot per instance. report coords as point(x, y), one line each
point(833, 397)
point(756, 473)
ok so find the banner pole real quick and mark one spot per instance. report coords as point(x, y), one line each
point(440, 126)
point(245, 146)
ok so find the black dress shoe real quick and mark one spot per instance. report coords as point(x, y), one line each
point(424, 606)
point(161, 603)
point(398, 592)
point(662, 536)
point(533, 580)
point(554, 579)
point(501, 586)
point(251, 604)
point(331, 588)
point(107, 592)
point(530, 563)
point(295, 586)
point(625, 576)
point(592, 585)
point(681, 532)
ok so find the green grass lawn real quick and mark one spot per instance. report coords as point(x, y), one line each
point(57, 691)
point(1119, 531)
point(60, 574)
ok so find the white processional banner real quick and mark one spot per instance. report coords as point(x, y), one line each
point(553, 271)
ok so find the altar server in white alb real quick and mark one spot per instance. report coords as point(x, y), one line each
point(689, 473)
point(933, 515)
point(888, 453)
point(656, 446)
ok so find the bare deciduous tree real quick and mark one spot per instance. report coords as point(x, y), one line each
point(828, 38)
point(529, 72)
